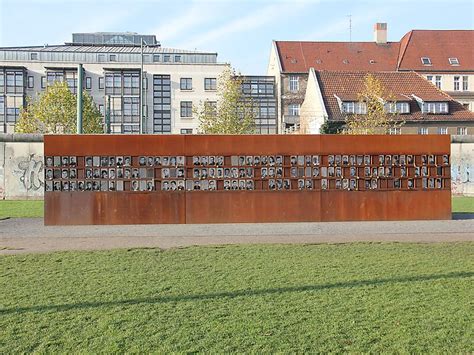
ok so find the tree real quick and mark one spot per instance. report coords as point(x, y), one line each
point(233, 113)
point(376, 120)
point(54, 111)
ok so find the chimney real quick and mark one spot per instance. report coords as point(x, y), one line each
point(380, 33)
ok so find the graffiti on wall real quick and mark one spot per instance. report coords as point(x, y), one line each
point(30, 172)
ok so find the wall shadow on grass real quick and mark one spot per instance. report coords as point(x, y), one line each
point(234, 294)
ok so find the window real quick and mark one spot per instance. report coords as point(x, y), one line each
point(161, 104)
point(186, 131)
point(442, 130)
point(101, 110)
point(293, 109)
point(438, 81)
point(462, 131)
point(13, 105)
point(429, 78)
point(166, 58)
point(395, 130)
point(156, 58)
point(31, 82)
point(354, 107)
point(453, 61)
point(294, 83)
point(33, 56)
point(43, 82)
point(177, 58)
point(465, 83)
point(101, 57)
point(113, 57)
point(53, 76)
point(101, 83)
point(15, 83)
point(397, 107)
point(88, 83)
point(2, 82)
point(423, 130)
point(186, 109)
point(435, 107)
point(186, 84)
point(210, 84)
point(426, 61)
point(456, 83)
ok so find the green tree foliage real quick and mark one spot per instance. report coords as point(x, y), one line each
point(377, 120)
point(332, 127)
point(232, 114)
point(54, 111)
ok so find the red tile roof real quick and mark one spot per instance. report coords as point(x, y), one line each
point(298, 57)
point(401, 85)
point(438, 45)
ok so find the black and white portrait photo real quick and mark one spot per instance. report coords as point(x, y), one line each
point(315, 160)
point(316, 171)
point(142, 161)
point(337, 160)
point(65, 161)
point(49, 174)
point(431, 159)
point(48, 161)
point(264, 173)
point(104, 161)
point(324, 184)
point(112, 161)
point(120, 161)
point(330, 159)
point(212, 185)
point(445, 159)
point(73, 161)
point(165, 173)
point(72, 174)
point(104, 174)
point(271, 184)
point(226, 184)
point(64, 174)
point(300, 184)
point(127, 161)
point(112, 173)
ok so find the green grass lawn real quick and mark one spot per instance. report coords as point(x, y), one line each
point(357, 297)
point(35, 208)
point(18, 208)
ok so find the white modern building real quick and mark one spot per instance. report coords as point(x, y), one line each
point(173, 80)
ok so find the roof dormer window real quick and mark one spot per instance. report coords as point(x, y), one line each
point(453, 61)
point(426, 60)
point(345, 61)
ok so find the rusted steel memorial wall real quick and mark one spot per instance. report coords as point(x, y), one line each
point(135, 179)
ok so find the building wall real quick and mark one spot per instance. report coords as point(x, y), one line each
point(21, 167)
point(198, 72)
point(447, 84)
point(433, 128)
point(274, 70)
point(313, 113)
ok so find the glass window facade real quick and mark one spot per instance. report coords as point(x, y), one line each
point(161, 103)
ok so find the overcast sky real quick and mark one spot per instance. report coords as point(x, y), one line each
point(239, 31)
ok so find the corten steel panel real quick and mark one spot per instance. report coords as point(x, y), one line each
point(244, 206)
point(385, 205)
point(101, 144)
point(251, 144)
point(252, 206)
point(74, 208)
point(385, 144)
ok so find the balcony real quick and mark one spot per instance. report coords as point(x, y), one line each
point(291, 119)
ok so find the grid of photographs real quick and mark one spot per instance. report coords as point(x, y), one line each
point(247, 172)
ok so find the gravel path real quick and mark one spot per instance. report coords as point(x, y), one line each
point(29, 235)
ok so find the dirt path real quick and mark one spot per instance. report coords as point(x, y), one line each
point(29, 235)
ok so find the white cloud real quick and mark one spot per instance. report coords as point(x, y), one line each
point(258, 18)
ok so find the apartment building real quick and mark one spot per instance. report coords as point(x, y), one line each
point(332, 96)
point(174, 81)
point(444, 57)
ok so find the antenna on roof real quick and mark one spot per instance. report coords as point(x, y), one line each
point(350, 27)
